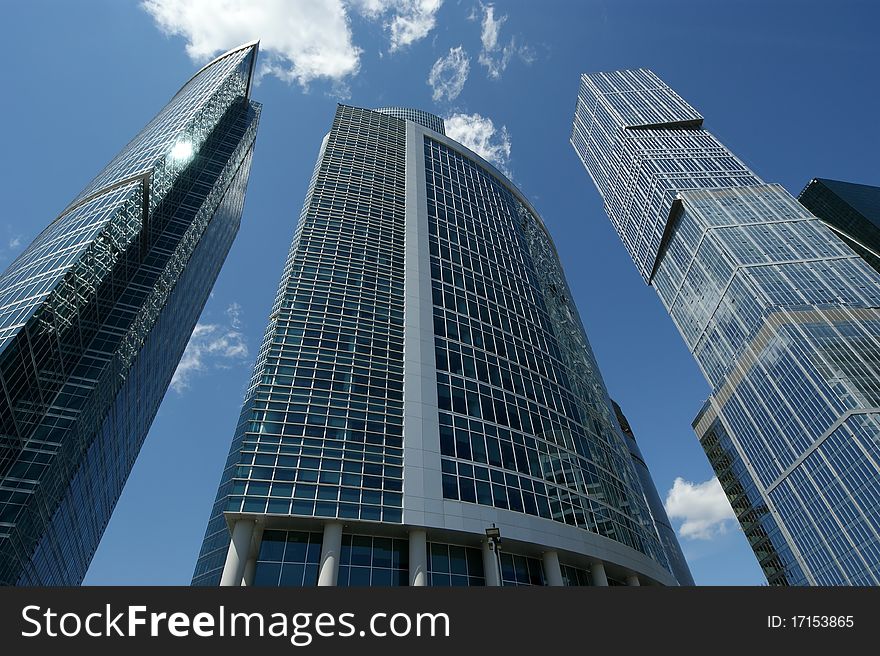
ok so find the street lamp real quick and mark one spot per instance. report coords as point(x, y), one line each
point(493, 537)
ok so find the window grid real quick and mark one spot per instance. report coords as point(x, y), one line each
point(455, 565)
point(373, 561)
point(524, 419)
point(321, 428)
point(288, 558)
point(519, 570)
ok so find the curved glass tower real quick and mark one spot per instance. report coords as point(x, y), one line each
point(97, 311)
point(425, 376)
point(782, 316)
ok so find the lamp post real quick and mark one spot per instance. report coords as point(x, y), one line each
point(493, 537)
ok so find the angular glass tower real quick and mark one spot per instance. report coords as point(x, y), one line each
point(851, 210)
point(781, 315)
point(423, 377)
point(97, 311)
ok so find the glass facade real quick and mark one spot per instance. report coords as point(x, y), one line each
point(425, 369)
point(574, 576)
point(288, 558)
point(321, 430)
point(781, 315)
point(521, 570)
point(525, 422)
point(455, 565)
point(851, 210)
point(423, 118)
point(373, 561)
point(97, 311)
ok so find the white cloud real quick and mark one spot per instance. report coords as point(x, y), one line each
point(494, 56)
point(703, 507)
point(211, 346)
point(15, 242)
point(491, 28)
point(480, 135)
point(372, 9)
point(406, 21)
point(449, 73)
point(413, 23)
point(300, 41)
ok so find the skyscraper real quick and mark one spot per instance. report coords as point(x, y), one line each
point(96, 313)
point(851, 210)
point(782, 317)
point(424, 377)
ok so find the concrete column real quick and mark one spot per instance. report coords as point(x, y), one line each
point(331, 547)
point(251, 565)
point(490, 565)
point(418, 557)
point(633, 579)
point(597, 570)
point(250, 568)
point(552, 570)
point(236, 555)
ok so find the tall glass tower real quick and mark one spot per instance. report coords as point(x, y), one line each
point(425, 377)
point(97, 311)
point(781, 315)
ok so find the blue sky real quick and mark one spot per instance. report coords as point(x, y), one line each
point(789, 85)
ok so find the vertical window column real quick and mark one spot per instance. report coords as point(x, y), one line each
point(633, 579)
point(330, 549)
point(237, 554)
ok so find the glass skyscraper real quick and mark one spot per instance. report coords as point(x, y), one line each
point(96, 313)
point(781, 315)
point(425, 376)
point(851, 210)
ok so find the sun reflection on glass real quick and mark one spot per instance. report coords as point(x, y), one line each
point(182, 150)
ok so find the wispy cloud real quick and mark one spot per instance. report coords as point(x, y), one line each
point(211, 346)
point(480, 135)
point(13, 244)
point(414, 23)
point(491, 28)
point(233, 312)
point(495, 56)
point(703, 507)
point(448, 74)
point(300, 41)
point(406, 21)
